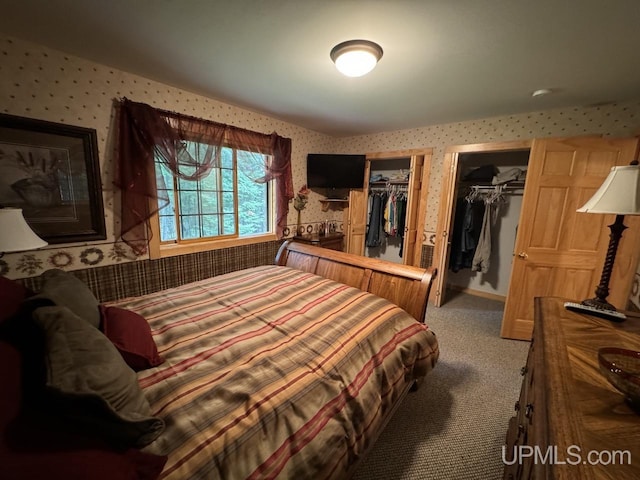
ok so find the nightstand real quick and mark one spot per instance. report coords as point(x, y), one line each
point(333, 241)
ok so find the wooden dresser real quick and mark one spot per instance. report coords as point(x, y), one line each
point(566, 408)
point(334, 241)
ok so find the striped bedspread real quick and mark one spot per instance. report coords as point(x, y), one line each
point(275, 373)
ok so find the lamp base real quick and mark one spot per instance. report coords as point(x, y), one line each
point(598, 303)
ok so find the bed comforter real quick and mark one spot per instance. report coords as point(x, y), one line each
point(275, 373)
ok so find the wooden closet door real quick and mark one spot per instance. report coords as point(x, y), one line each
point(445, 226)
point(558, 251)
point(356, 222)
point(413, 204)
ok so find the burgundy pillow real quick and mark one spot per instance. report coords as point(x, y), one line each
point(131, 335)
point(11, 296)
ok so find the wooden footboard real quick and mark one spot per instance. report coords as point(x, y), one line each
point(406, 286)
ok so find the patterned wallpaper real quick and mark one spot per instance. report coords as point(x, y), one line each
point(612, 120)
point(42, 83)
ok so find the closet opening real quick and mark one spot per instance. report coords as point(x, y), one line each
point(387, 201)
point(485, 207)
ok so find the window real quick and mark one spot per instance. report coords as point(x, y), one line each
point(226, 203)
point(238, 198)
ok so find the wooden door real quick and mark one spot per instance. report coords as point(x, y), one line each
point(413, 203)
point(445, 226)
point(422, 196)
point(356, 222)
point(560, 252)
point(450, 177)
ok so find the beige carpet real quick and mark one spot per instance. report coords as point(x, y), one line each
point(453, 427)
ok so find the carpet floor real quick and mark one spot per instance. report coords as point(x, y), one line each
point(454, 426)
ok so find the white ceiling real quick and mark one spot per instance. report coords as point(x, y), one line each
point(444, 60)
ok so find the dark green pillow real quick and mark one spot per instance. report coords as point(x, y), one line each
point(89, 382)
point(66, 290)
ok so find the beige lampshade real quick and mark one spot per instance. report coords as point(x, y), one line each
point(15, 233)
point(619, 194)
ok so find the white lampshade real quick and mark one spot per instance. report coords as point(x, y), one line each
point(15, 233)
point(356, 58)
point(619, 194)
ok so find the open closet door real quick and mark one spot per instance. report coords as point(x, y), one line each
point(445, 225)
point(560, 252)
point(411, 232)
point(356, 222)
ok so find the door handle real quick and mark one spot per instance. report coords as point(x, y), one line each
point(523, 255)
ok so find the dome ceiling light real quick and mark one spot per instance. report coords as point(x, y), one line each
point(356, 58)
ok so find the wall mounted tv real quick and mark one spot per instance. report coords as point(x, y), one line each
point(335, 171)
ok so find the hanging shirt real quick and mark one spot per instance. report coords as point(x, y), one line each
point(376, 220)
point(467, 226)
point(402, 217)
point(482, 254)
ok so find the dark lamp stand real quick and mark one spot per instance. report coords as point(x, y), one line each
point(602, 291)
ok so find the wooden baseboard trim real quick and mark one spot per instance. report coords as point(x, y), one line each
point(479, 293)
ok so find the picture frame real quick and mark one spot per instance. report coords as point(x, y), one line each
point(52, 172)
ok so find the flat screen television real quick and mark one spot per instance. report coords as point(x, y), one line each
point(335, 171)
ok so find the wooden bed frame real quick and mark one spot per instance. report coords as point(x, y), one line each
point(404, 285)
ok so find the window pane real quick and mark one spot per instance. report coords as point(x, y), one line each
point(253, 212)
point(252, 164)
point(168, 228)
point(210, 225)
point(226, 158)
point(190, 226)
point(227, 180)
point(210, 182)
point(209, 202)
point(187, 184)
point(228, 225)
point(163, 175)
point(227, 202)
point(167, 209)
point(189, 203)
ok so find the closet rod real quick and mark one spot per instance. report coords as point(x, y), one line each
point(494, 188)
point(389, 188)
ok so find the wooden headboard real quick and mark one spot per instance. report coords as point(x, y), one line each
point(406, 286)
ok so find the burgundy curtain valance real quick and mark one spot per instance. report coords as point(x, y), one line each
point(147, 134)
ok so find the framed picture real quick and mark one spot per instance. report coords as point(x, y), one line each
point(51, 171)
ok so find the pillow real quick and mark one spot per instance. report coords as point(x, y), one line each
point(11, 296)
point(64, 289)
point(131, 335)
point(89, 382)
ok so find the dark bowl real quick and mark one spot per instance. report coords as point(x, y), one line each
point(621, 367)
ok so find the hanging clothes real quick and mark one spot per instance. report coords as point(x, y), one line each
point(467, 226)
point(402, 218)
point(482, 255)
point(387, 215)
point(375, 228)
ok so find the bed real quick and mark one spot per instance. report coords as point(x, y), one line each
point(288, 370)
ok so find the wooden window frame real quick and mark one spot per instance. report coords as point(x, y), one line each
point(159, 249)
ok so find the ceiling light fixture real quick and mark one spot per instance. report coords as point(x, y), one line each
point(356, 58)
point(542, 92)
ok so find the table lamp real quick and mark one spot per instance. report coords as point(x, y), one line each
point(618, 195)
point(15, 233)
